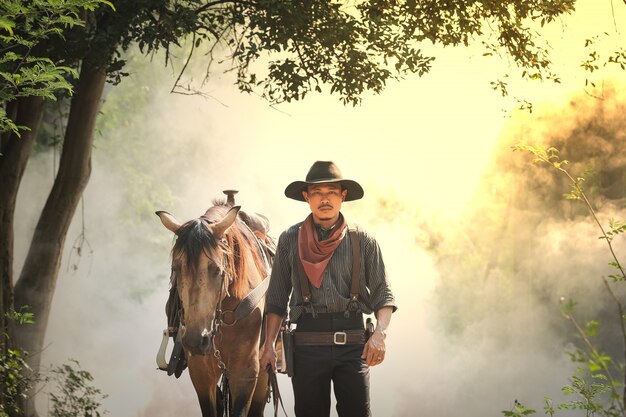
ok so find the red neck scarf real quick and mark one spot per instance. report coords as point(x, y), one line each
point(314, 254)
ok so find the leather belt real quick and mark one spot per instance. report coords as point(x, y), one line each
point(348, 337)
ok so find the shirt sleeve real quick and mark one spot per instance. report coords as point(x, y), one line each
point(376, 275)
point(280, 285)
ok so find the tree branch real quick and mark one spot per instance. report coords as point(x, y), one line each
point(620, 310)
point(595, 217)
point(593, 351)
point(310, 74)
point(218, 2)
point(182, 71)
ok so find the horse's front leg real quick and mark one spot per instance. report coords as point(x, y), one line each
point(259, 398)
point(244, 366)
point(242, 385)
point(203, 373)
point(239, 347)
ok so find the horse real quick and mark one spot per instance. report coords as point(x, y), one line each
point(217, 263)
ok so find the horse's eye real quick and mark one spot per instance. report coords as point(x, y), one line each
point(214, 269)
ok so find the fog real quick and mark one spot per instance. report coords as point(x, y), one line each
point(479, 244)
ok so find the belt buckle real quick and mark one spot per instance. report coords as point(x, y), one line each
point(340, 338)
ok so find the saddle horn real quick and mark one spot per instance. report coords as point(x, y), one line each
point(230, 199)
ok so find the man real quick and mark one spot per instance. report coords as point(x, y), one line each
point(312, 272)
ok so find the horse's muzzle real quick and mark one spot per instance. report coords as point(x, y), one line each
point(197, 343)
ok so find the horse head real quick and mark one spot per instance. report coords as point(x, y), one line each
point(202, 272)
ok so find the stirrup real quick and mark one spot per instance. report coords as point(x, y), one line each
point(160, 357)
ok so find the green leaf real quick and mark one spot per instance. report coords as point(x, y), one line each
point(7, 25)
point(591, 327)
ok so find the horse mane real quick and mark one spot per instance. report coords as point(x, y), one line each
point(194, 237)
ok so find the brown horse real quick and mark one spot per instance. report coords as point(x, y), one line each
point(217, 263)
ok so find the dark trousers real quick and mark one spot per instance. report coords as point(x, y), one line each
point(316, 366)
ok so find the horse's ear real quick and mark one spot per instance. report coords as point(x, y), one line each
point(220, 227)
point(168, 221)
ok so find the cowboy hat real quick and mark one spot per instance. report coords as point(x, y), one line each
point(324, 172)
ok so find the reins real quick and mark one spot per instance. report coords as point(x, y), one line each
point(273, 392)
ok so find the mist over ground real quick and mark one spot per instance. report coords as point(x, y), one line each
point(479, 244)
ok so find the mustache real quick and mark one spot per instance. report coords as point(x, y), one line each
point(324, 205)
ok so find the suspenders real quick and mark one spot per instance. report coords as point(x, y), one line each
point(356, 274)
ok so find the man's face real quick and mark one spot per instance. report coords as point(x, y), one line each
point(325, 201)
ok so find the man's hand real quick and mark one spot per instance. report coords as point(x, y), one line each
point(374, 351)
point(267, 357)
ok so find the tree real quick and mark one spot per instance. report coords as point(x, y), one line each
point(28, 77)
point(309, 45)
point(24, 73)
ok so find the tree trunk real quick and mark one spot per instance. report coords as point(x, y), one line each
point(35, 287)
point(15, 154)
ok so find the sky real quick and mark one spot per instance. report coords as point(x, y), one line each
point(420, 149)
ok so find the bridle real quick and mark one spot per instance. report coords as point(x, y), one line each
point(226, 278)
point(229, 318)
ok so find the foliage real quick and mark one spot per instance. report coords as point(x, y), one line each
point(550, 156)
point(598, 391)
point(596, 60)
point(13, 382)
point(15, 375)
point(73, 394)
point(347, 47)
point(25, 68)
point(76, 396)
point(21, 317)
point(519, 410)
point(354, 47)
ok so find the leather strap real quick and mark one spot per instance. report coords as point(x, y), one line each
point(348, 337)
point(304, 281)
point(247, 305)
point(356, 264)
point(274, 392)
